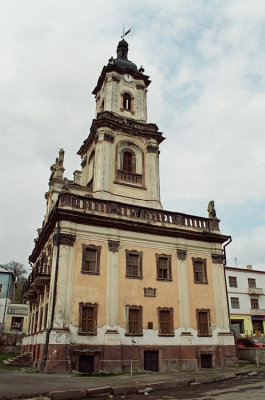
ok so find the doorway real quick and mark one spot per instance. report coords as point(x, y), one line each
point(206, 361)
point(151, 361)
point(86, 364)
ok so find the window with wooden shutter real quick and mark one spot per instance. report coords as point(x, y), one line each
point(163, 267)
point(91, 259)
point(254, 304)
point(88, 318)
point(165, 320)
point(134, 320)
point(134, 264)
point(199, 270)
point(203, 322)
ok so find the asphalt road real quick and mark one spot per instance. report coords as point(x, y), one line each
point(240, 388)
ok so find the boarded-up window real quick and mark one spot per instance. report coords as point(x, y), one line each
point(165, 320)
point(88, 318)
point(163, 267)
point(134, 264)
point(134, 320)
point(199, 270)
point(203, 322)
point(91, 259)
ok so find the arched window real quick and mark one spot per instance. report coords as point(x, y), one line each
point(127, 161)
point(127, 101)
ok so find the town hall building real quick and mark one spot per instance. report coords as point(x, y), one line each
point(118, 283)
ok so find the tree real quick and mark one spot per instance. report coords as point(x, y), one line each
point(17, 269)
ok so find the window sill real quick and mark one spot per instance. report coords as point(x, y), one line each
point(134, 277)
point(166, 334)
point(126, 109)
point(204, 335)
point(202, 283)
point(89, 273)
point(133, 334)
point(87, 334)
point(164, 279)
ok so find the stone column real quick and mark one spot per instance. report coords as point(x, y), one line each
point(112, 311)
point(220, 300)
point(183, 287)
point(152, 172)
point(103, 175)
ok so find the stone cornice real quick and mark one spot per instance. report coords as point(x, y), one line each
point(116, 122)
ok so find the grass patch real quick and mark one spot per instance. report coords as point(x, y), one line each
point(5, 356)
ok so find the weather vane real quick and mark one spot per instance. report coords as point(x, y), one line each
point(125, 33)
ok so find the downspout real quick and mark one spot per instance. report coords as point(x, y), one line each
point(7, 294)
point(53, 299)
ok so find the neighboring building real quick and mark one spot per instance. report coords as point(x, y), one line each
point(246, 296)
point(16, 320)
point(116, 280)
point(7, 285)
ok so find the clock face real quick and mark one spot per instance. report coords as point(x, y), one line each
point(127, 77)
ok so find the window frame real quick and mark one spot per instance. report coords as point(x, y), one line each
point(168, 268)
point(139, 254)
point(93, 306)
point(139, 331)
point(84, 269)
point(232, 281)
point(253, 284)
point(127, 101)
point(170, 313)
point(208, 313)
point(203, 263)
point(256, 302)
point(235, 304)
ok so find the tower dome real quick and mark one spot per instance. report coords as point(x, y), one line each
point(122, 57)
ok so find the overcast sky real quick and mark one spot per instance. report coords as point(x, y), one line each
point(206, 60)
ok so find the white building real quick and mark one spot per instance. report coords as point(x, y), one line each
point(246, 297)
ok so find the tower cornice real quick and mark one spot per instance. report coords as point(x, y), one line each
point(116, 122)
point(121, 71)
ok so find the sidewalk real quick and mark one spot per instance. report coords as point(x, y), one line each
point(20, 384)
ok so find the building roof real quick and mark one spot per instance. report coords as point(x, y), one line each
point(236, 269)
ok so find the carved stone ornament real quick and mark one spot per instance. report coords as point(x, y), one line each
point(83, 163)
point(108, 137)
point(211, 210)
point(182, 254)
point(96, 139)
point(217, 258)
point(65, 239)
point(115, 78)
point(150, 292)
point(114, 245)
point(150, 148)
point(140, 87)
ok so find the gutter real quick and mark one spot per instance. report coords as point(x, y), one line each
point(53, 298)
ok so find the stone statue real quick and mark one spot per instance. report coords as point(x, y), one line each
point(57, 167)
point(211, 210)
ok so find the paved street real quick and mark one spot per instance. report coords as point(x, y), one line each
point(240, 388)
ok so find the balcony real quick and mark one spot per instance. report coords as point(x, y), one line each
point(40, 274)
point(253, 290)
point(257, 311)
point(129, 177)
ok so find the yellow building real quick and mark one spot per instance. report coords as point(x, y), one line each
point(16, 320)
point(117, 281)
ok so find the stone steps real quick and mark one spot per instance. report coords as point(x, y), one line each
point(24, 360)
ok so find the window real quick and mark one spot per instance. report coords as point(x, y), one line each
point(88, 318)
point(237, 325)
point(235, 302)
point(199, 270)
point(127, 161)
point(134, 320)
point(91, 258)
point(232, 281)
point(165, 320)
point(45, 316)
point(16, 324)
point(203, 322)
point(127, 101)
point(36, 321)
point(254, 303)
point(257, 326)
point(134, 264)
point(40, 321)
point(1, 287)
point(163, 266)
point(252, 283)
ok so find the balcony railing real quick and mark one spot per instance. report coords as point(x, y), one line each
point(149, 215)
point(257, 311)
point(129, 177)
point(40, 274)
point(255, 291)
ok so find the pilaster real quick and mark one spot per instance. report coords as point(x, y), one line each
point(112, 284)
point(183, 288)
point(222, 318)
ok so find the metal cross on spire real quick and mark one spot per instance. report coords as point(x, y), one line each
point(125, 33)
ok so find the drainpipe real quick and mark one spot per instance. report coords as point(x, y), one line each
point(54, 297)
point(7, 294)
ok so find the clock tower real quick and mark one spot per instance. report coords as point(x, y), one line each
point(120, 157)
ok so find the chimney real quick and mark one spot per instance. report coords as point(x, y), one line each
point(249, 266)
